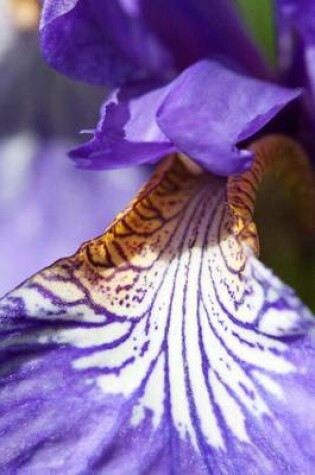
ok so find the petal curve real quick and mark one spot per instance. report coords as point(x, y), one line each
point(101, 42)
point(203, 113)
point(162, 346)
point(114, 42)
point(209, 109)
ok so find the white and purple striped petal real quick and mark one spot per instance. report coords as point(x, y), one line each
point(163, 346)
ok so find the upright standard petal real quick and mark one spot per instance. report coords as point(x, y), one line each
point(114, 41)
point(101, 41)
point(194, 29)
point(163, 346)
point(209, 109)
point(203, 113)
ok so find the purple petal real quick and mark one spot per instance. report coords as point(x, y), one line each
point(209, 109)
point(163, 346)
point(127, 133)
point(195, 29)
point(203, 113)
point(101, 41)
point(47, 207)
point(109, 42)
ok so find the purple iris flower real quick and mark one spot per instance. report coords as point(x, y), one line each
point(165, 346)
point(204, 112)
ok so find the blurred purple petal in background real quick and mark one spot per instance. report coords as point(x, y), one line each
point(47, 206)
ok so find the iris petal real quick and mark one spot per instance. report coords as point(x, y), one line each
point(101, 42)
point(127, 133)
point(203, 113)
point(113, 42)
point(209, 109)
point(163, 346)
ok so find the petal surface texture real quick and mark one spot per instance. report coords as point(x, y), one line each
point(209, 109)
point(127, 133)
point(161, 347)
point(110, 42)
point(203, 113)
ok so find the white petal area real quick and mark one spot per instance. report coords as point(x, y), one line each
point(269, 384)
point(91, 337)
point(153, 397)
point(230, 410)
point(192, 348)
